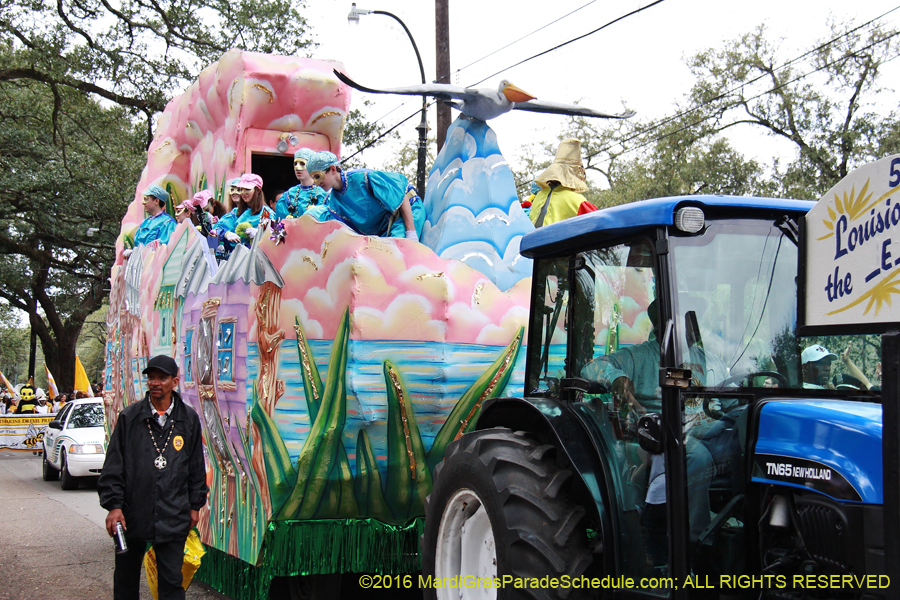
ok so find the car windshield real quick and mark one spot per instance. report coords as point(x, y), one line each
point(735, 303)
point(87, 415)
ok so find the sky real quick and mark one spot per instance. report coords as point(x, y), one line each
point(639, 61)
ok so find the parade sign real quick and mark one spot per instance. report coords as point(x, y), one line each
point(23, 432)
point(850, 254)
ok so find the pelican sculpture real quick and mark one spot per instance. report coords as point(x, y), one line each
point(486, 103)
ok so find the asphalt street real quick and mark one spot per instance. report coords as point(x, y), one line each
point(53, 543)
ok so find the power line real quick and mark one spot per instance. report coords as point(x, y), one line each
point(525, 36)
point(751, 98)
point(730, 91)
point(404, 103)
point(370, 143)
point(616, 20)
point(580, 37)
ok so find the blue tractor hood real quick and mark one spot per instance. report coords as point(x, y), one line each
point(830, 446)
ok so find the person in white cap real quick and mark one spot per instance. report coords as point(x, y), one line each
point(816, 362)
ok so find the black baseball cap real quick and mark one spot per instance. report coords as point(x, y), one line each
point(163, 363)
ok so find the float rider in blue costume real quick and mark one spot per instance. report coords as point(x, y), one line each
point(240, 225)
point(158, 225)
point(226, 222)
point(296, 200)
point(369, 202)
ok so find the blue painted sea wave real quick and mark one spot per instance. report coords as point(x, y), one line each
point(435, 374)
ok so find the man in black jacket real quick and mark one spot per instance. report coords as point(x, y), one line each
point(154, 481)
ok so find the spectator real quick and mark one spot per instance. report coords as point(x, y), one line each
point(154, 481)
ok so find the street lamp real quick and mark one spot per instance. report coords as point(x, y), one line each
point(422, 127)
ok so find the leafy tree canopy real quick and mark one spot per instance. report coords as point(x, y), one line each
point(61, 173)
point(135, 53)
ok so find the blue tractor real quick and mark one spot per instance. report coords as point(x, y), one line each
point(677, 438)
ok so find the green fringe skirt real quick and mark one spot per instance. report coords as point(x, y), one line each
point(295, 548)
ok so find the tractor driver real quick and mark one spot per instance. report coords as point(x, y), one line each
point(632, 375)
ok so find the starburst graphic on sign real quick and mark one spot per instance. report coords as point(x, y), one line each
point(878, 296)
point(853, 205)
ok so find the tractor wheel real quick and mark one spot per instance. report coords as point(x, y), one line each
point(67, 481)
point(48, 471)
point(502, 505)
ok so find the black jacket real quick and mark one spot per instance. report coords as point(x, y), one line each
point(156, 502)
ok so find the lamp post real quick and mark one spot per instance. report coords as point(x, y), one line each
point(422, 127)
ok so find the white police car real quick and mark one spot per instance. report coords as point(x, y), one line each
point(74, 443)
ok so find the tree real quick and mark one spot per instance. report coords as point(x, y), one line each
point(14, 345)
point(138, 54)
point(361, 135)
point(681, 163)
point(55, 183)
point(825, 102)
point(406, 161)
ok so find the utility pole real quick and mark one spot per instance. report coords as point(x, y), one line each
point(442, 70)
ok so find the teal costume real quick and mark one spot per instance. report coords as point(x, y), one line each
point(368, 202)
point(230, 221)
point(298, 199)
point(159, 228)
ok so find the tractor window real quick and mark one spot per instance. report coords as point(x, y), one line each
point(735, 316)
point(547, 343)
point(612, 327)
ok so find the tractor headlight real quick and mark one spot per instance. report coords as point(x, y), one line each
point(689, 219)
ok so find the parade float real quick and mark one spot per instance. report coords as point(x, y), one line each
point(330, 370)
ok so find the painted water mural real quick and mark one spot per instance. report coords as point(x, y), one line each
point(330, 370)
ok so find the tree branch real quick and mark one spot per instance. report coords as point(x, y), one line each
point(84, 86)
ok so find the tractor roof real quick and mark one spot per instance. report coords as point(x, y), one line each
point(627, 219)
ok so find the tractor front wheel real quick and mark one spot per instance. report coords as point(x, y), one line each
point(502, 506)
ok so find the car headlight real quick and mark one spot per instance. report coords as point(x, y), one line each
point(85, 449)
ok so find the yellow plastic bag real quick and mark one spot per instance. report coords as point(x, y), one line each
point(193, 552)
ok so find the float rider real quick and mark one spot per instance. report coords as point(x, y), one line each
point(297, 199)
point(369, 202)
point(562, 184)
point(158, 225)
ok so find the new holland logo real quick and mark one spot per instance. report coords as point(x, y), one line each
point(790, 470)
point(177, 442)
point(804, 472)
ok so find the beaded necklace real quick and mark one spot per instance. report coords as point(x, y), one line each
point(160, 461)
